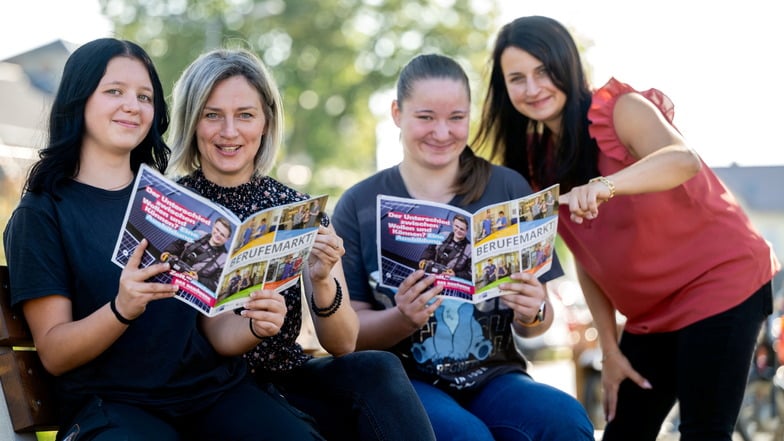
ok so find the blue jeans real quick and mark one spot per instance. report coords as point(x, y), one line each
point(365, 395)
point(509, 407)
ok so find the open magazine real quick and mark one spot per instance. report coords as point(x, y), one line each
point(216, 260)
point(470, 253)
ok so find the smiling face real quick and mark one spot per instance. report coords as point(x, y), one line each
point(119, 113)
point(229, 132)
point(220, 234)
point(460, 229)
point(434, 122)
point(531, 89)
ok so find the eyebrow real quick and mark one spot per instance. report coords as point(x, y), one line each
point(250, 107)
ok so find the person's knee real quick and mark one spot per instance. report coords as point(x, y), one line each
point(377, 363)
point(464, 429)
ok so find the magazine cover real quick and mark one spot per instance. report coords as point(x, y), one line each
point(216, 260)
point(470, 253)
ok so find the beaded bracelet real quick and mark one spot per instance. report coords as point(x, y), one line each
point(117, 314)
point(331, 309)
point(606, 181)
point(253, 331)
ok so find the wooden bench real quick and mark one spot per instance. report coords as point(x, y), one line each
point(28, 404)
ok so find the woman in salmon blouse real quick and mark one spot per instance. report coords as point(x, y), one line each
point(655, 234)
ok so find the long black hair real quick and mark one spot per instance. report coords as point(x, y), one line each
point(83, 71)
point(525, 144)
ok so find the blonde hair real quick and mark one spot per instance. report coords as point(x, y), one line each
point(194, 87)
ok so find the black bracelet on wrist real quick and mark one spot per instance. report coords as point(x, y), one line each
point(331, 309)
point(253, 331)
point(117, 314)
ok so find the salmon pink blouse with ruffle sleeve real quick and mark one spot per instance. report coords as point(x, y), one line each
point(667, 259)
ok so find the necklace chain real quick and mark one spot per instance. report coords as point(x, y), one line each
point(107, 189)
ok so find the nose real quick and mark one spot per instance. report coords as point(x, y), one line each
point(228, 128)
point(131, 104)
point(531, 85)
point(441, 130)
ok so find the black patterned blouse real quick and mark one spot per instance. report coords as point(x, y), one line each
point(281, 352)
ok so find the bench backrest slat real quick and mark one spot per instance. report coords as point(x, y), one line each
point(28, 389)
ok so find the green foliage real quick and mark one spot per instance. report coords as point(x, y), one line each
point(329, 57)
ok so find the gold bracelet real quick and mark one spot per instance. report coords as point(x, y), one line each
point(606, 181)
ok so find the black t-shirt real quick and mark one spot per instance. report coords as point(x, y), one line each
point(64, 247)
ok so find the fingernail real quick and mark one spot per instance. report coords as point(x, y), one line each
point(646, 385)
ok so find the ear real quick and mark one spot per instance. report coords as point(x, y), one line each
point(395, 111)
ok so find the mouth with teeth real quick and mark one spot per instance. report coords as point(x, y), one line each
point(229, 149)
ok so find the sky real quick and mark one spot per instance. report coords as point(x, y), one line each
point(718, 61)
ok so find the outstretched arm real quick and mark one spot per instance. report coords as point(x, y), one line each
point(664, 159)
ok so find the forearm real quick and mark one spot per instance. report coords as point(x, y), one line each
point(663, 169)
point(229, 333)
point(381, 329)
point(602, 311)
point(335, 321)
point(70, 344)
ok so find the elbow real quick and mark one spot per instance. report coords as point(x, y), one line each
point(53, 367)
point(692, 163)
point(344, 348)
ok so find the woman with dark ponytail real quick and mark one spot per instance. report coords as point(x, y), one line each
point(468, 394)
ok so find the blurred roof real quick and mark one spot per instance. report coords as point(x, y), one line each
point(28, 82)
point(759, 188)
point(44, 65)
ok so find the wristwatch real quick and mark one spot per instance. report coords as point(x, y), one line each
point(539, 318)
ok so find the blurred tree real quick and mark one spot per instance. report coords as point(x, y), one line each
point(330, 57)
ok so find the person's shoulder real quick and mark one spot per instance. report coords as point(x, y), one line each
point(505, 172)
point(505, 177)
point(376, 183)
point(617, 93)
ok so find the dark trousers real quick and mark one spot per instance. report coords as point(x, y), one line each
point(365, 395)
point(703, 366)
point(244, 413)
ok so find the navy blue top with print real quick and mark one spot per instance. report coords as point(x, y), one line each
point(463, 345)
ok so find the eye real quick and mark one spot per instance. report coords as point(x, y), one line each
point(145, 98)
point(543, 72)
point(211, 115)
point(246, 115)
point(113, 92)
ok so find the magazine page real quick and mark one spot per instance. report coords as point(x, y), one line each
point(183, 228)
point(415, 234)
point(270, 252)
point(470, 254)
point(207, 245)
point(514, 236)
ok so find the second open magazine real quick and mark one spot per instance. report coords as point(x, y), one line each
point(470, 253)
point(216, 259)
